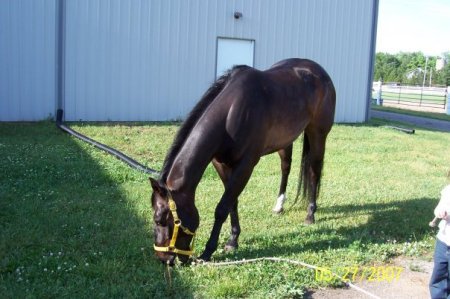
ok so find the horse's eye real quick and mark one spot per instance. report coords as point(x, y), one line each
point(160, 220)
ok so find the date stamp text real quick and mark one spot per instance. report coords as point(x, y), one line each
point(359, 273)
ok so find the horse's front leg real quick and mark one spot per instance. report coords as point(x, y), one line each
point(236, 183)
point(225, 172)
point(232, 243)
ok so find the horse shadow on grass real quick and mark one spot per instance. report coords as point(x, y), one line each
point(387, 223)
point(74, 221)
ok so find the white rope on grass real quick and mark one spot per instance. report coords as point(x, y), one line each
point(282, 260)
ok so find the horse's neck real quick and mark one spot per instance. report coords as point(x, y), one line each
point(193, 158)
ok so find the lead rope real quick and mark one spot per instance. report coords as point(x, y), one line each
point(282, 260)
point(168, 277)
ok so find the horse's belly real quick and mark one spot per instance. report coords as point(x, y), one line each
point(281, 136)
point(271, 148)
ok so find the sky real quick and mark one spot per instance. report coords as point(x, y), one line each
point(413, 25)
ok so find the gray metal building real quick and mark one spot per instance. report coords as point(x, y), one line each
point(136, 60)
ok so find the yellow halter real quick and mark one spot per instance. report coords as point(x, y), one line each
point(177, 225)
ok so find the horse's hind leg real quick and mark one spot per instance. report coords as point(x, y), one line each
point(286, 160)
point(224, 173)
point(313, 164)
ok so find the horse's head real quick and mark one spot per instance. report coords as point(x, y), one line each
point(172, 236)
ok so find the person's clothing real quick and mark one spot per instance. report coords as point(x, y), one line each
point(444, 225)
point(440, 278)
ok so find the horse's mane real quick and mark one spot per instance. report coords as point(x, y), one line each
point(193, 117)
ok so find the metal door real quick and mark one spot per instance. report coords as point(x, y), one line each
point(232, 52)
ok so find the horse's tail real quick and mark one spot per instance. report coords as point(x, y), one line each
point(192, 118)
point(304, 184)
point(309, 179)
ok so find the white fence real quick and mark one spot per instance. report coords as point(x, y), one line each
point(411, 97)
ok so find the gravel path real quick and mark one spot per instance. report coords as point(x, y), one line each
point(412, 283)
point(433, 124)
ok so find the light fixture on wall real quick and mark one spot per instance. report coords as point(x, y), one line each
point(237, 15)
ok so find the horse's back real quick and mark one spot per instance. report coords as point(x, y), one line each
point(301, 64)
point(316, 89)
point(274, 106)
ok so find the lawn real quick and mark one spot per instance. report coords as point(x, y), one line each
point(75, 222)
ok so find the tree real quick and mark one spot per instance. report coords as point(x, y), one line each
point(386, 67)
point(409, 68)
point(442, 77)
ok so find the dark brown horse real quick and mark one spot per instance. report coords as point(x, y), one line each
point(244, 115)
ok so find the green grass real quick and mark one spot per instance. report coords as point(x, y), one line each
point(77, 223)
point(432, 115)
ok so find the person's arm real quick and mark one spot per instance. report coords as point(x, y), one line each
point(443, 207)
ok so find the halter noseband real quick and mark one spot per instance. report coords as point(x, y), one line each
point(177, 225)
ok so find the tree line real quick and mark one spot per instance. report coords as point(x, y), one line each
point(409, 68)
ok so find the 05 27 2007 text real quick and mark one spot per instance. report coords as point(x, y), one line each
point(359, 273)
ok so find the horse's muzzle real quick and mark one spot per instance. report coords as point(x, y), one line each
point(167, 258)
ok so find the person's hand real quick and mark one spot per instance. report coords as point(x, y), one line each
point(442, 214)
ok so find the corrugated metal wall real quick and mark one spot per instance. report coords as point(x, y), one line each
point(27, 59)
point(152, 60)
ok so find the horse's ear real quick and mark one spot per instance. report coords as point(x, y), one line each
point(156, 186)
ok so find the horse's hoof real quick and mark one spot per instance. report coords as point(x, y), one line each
point(204, 258)
point(278, 211)
point(309, 221)
point(278, 208)
point(230, 248)
point(198, 261)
